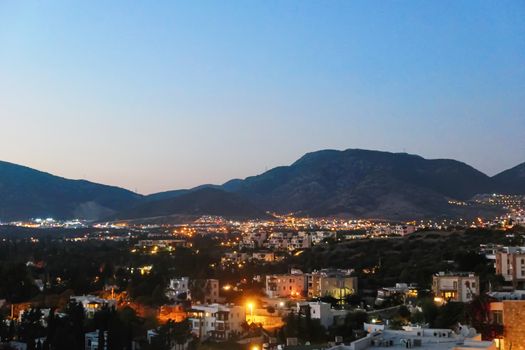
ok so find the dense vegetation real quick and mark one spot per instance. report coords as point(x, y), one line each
point(411, 259)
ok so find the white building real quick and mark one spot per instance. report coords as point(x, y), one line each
point(455, 286)
point(403, 230)
point(420, 338)
point(319, 236)
point(216, 321)
point(403, 290)
point(301, 240)
point(321, 311)
point(92, 304)
point(278, 241)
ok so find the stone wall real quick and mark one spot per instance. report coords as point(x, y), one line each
point(514, 324)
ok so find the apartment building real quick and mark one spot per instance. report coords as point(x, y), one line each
point(327, 282)
point(216, 321)
point(330, 282)
point(286, 285)
point(510, 264)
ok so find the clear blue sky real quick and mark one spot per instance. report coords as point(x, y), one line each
point(154, 95)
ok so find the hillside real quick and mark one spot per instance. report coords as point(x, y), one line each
point(205, 201)
point(353, 182)
point(29, 193)
point(511, 181)
point(363, 183)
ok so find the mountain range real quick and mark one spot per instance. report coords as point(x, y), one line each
point(353, 182)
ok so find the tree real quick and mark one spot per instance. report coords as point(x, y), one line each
point(76, 317)
point(403, 312)
point(450, 314)
point(31, 327)
point(353, 323)
point(430, 311)
point(172, 334)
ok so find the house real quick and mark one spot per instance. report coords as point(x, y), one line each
point(178, 288)
point(321, 311)
point(92, 304)
point(455, 286)
point(402, 290)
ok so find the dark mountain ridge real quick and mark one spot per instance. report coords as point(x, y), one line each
point(362, 183)
point(511, 181)
point(203, 201)
point(29, 193)
point(353, 182)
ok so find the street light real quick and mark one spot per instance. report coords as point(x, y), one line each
point(250, 307)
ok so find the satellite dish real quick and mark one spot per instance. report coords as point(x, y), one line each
point(464, 331)
point(472, 332)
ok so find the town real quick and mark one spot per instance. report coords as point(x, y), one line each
point(262, 175)
point(286, 283)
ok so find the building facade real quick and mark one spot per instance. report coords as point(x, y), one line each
point(286, 285)
point(178, 288)
point(215, 321)
point(335, 283)
point(510, 264)
point(455, 286)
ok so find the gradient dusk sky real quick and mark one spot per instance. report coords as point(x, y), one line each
point(158, 95)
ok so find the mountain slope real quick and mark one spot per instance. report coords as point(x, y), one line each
point(29, 193)
point(363, 183)
point(204, 201)
point(511, 181)
point(175, 193)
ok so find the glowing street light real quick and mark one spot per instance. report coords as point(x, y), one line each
point(250, 307)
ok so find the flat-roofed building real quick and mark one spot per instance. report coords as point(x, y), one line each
point(286, 285)
point(419, 338)
point(455, 286)
point(510, 264)
point(331, 282)
point(216, 321)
